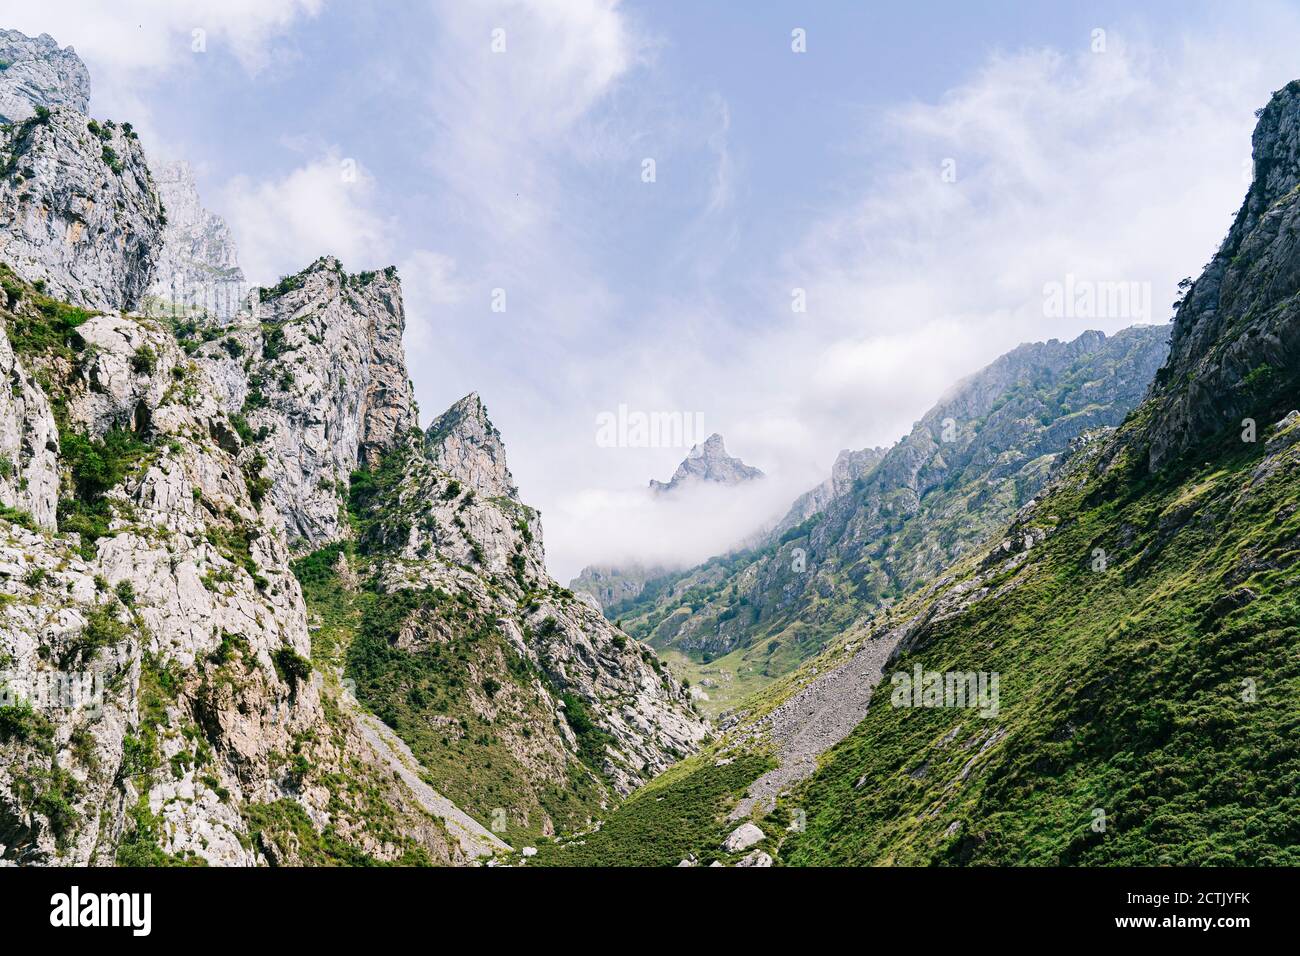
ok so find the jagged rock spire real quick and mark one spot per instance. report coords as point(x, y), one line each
point(463, 442)
point(709, 461)
point(198, 266)
point(36, 72)
point(78, 209)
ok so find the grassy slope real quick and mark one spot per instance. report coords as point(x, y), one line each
point(914, 541)
point(680, 813)
point(423, 695)
point(1121, 691)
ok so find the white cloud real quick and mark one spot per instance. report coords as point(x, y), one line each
point(692, 524)
point(131, 47)
point(325, 207)
point(503, 114)
point(135, 37)
point(1125, 166)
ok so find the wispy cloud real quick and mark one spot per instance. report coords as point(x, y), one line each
point(1121, 166)
point(323, 207)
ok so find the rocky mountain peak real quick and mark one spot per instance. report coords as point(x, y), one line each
point(708, 461)
point(463, 442)
point(35, 71)
point(79, 212)
point(849, 466)
point(1235, 350)
point(198, 266)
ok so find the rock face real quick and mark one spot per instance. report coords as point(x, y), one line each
point(318, 369)
point(742, 838)
point(198, 268)
point(451, 523)
point(708, 462)
point(29, 441)
point(466, 445)
point(849, 466)
point(610, 586)
point(78, 209)
point(970, 462)
point(157, 480)
point(36, 72)
point(167, 592)
point(1235, 352)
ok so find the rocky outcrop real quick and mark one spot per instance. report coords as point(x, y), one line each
point(317, 371)
point(79, 213)
point(1235, 351)
point(466, 445)
point(610, 586)
point(453, 523)
point(167, 597)
point(849, 466)
point(709, 462)
point(34, 72)
point(29, 441)
point(158, 479)
point(198, 267)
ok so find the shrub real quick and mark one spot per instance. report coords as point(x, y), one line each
point(144, 361)
point(291, 666)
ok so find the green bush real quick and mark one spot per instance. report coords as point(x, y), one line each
point(144, 361)
point(292, 667)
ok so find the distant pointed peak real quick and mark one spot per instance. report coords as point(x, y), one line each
point(470, 408)
point(709, 461)
point(711, 447)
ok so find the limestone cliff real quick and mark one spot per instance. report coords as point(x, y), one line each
point(198, 267)
point(170, 488)
point(35, 71)
point(79, 213)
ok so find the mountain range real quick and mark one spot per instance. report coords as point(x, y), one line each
point(253, 613)
point(1107, 679)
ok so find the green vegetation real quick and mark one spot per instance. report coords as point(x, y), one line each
point(19, 724)
point(17, 516)
point(141, 844)
point(95, 465)
point(52, 792)
point(41, 326)
point(1160, 692)
point(423, 695)
point(102, 629)
point(285, 833)
point(428, 663)
point(291, 666)
point(680, 813)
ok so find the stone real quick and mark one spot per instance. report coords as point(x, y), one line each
point(38, 73)
point(708, 462)
point(742, 838)
point(466, 445)
point(78, 210)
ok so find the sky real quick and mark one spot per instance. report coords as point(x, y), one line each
point(796, 226)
